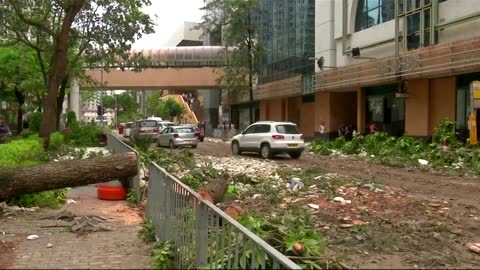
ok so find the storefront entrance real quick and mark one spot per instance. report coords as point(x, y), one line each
point(385, 110)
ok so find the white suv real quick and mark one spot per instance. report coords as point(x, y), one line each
point(269, 138)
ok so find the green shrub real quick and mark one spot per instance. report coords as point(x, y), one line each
point(321, 147)
point(22, 152)
point(83, 135)
point(132, 197)
point(71, 119)
point(52, 199)
point(162, 254)
point(35, 121)
point(57, 139)
point(445, 134)
point(147, 233)
point(27, 133)
point(339, 142)
point(142, 142)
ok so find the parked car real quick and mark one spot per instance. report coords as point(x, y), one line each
point(120, 128)
point(143, 128)
point(199, 132)
point(128, 129)
point(270, 138)
point(163, 124)
point(175, 136)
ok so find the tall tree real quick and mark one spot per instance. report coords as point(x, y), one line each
point(66, 34)
point(235, 19)
point(20, 77)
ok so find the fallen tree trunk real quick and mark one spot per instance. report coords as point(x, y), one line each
point(215, 190)
point(71, 173)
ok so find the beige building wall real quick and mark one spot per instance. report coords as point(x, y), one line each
point(442, 101)
point(417, 108)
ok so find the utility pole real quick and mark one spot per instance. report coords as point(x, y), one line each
point(116, 109)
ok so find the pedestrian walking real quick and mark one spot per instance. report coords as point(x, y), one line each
point(323, 131)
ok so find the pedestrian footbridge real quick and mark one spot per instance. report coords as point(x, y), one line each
point(167, 68)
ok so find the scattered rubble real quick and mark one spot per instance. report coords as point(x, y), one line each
point(253, 168)
point(49, 245)
point(423, 162)
point(78, 224)
point(474, 247)
point(32, 237)
point(13, 210)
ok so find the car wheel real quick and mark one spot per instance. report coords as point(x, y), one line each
point(295, 155)
point(236, 148)
point(265, 151)
point(171, 144)
point(158, 143)
point(194, 146)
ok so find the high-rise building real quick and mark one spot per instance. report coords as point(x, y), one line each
point(286, 31)
point(402, 64)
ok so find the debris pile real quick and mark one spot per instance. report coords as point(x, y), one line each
point(255, 168)
point(79, 224)
point(13, 210)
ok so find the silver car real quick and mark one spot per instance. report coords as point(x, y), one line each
point(144, 128)
point(175, 136)
point(128, 129)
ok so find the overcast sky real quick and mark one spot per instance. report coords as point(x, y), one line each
point(170, 15)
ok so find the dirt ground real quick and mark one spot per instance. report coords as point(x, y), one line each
point(420, 219)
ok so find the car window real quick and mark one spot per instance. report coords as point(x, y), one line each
point(262, 129)
point(287, 129)
point(148, 124)
point(184, 130)
point(250, 130)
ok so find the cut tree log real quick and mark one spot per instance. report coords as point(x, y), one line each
point(215, 190)
point(71, 173)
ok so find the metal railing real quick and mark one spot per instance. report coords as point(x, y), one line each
point(117, 146)
point(204, 236)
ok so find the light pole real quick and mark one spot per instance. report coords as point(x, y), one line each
point(101, 102)
point(116, 109)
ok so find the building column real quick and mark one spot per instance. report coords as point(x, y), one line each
point(75, 98)
point(361, 110)
point(417, 108)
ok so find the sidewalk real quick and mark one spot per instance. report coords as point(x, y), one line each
point(119, 248)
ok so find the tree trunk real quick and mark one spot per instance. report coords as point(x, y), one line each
point(71, 173)
point(20, 100)
point(215, 190)
point(57, 68)
point(60, 100)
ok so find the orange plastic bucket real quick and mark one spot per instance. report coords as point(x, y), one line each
point(111, 191)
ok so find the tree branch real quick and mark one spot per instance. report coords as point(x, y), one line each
point(21, 16)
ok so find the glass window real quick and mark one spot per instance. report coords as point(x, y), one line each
point(373, 12)
point(148, 124)
point(287, 129)
point(413, 28)
point(250, 130)
point(262, 129)
point(184, 130)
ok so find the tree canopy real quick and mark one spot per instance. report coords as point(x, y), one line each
point(166, 109)
point(20, 78)
point(235, 19)
point(67, 34)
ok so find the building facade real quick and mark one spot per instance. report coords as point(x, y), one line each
point(402, 64)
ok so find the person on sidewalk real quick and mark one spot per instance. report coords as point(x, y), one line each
point(373, 128)
point(323, 131)
point(4, 131)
